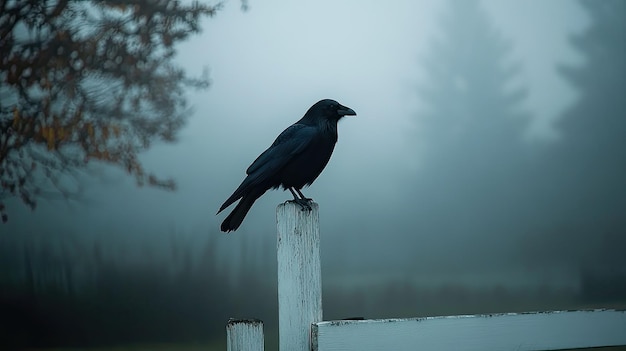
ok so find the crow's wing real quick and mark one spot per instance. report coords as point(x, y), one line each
point(291, 142)
point(288, 144)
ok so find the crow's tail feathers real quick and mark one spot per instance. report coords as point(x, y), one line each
point(250, 184)
point(234, 219)
point(234, 197)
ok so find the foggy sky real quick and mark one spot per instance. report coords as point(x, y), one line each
point(268, 66)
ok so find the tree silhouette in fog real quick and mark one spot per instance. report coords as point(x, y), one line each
point(586, 168)
point(472, 124)
point(467, 91)
point(593, 146)
point(87, 81)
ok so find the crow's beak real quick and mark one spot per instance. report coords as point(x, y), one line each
point(346, 111)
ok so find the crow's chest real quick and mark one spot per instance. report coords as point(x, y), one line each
point(306, 167)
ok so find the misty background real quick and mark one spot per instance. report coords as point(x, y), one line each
point(484, 172)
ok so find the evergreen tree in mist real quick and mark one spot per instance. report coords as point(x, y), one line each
point(85, 81)
point(586, 169)
point(580, 189)
point(468, 91)
point(593, 145)
point(472, 124)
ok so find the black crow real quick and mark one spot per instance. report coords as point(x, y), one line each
point(294, 160)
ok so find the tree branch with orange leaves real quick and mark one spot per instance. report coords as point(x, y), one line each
point(85, 81)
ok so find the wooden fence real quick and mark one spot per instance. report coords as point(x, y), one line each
point(301, 327)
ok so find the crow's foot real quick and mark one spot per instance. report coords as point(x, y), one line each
point(305, 204)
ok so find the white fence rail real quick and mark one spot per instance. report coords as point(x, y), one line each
point(301, 327)
point(511, 331)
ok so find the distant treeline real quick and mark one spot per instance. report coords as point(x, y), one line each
point(89, 298)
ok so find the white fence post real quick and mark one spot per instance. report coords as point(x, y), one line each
point(244, 335)
point(299, 275)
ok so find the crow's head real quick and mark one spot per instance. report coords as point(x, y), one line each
point(331, 109)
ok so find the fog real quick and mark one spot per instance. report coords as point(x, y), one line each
point(479, 157)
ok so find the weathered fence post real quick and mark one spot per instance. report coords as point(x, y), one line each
point(244, 335)
point(299, 275)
